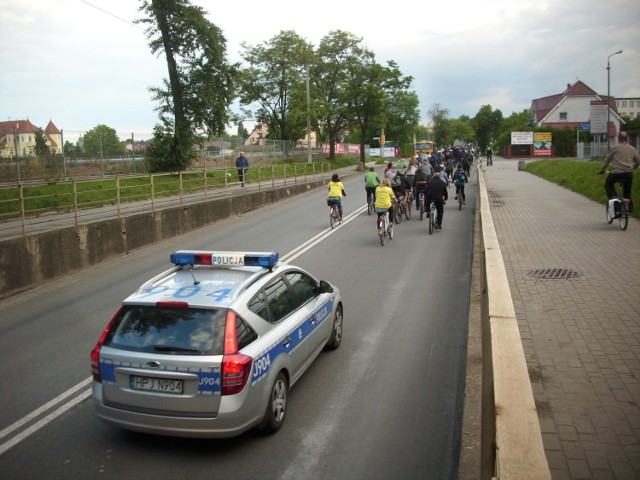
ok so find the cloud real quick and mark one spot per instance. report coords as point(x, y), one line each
point(83, 62)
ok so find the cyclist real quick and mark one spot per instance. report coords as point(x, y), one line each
point(336, 192)
point(422, 177)
point(623, 159)
point(437, 193)
point(385, 198)
point(399, 187)
point(459, 179)
point(489, 156)
point(371, 182)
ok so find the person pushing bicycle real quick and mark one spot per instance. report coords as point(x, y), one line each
point(336, 192)
point(622, 159)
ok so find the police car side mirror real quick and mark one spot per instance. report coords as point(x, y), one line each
point(324, 287)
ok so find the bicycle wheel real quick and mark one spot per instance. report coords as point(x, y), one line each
point(407, 211)
point(390, 231)
point(624, 216)
point(382, 232)
point(432, 221)
point(397, 214)
point(333, 218)
point(459, 202)
point(370, 205)
point(421, 208)
point(609, 217)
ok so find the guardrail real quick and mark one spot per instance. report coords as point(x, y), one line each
point(38, 206)
point(511, 440)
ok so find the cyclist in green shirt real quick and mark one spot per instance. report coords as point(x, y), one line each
point(371, 182)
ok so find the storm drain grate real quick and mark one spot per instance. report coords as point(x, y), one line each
point(553, 273)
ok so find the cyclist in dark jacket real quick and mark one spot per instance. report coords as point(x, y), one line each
point(437, 193)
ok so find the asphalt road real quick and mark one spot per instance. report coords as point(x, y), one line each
point(386, 405)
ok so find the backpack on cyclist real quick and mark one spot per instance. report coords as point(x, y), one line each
point(396, 181)
point(460, 178)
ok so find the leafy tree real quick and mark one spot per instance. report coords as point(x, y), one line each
point(630, 124)
point(41, 148)
point(200, 87)
point(402, 112)
point(242, 131)
point(379, 99)
point(276, 81)
point(102, 141)
point(338, 57)
point(487, 124)
point(441, 125)
point(462, 129)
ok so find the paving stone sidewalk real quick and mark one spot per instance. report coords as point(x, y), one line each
point(581, 331)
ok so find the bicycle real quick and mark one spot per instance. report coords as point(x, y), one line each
point(334, 215)
point(407, 207)
point(421, 204)
point(371, 203)
point(618, 208)
point(459, 197)
point(385, 228)
point(398, 210)
point(433, 218)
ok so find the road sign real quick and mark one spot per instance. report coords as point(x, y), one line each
point(585, 126)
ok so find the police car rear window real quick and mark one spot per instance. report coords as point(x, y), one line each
point(168, 330)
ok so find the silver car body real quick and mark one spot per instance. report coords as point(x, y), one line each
point(148, 378)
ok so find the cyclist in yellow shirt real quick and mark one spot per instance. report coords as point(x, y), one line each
point(336, 192)
point(385, 198)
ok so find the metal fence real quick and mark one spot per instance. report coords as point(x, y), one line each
point(36, 206)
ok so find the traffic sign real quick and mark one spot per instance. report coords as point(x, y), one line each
point(585, 126)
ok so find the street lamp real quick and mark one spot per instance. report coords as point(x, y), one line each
point(609, 96)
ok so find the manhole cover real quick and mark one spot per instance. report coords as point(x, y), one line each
point(553, 273)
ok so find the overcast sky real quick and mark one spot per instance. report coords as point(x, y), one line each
point(81, 63)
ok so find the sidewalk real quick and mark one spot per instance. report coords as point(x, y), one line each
point(581, 330)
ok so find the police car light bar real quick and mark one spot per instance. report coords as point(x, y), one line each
point(225, 259)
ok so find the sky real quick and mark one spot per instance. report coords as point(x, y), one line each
point(83, 63)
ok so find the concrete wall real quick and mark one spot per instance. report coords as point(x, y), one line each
point(29, 261)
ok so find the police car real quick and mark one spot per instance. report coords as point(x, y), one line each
point(210, 347)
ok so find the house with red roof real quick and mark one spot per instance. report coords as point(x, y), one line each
point(572, 108)
point(19, 136)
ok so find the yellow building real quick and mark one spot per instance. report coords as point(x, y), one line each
point(20, 136)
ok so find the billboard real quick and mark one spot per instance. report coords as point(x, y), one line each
point(521, 138)
point(599, 111)
point(542, 144)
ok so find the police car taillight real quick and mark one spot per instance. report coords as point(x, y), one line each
point(236, 367)
point(95, 352)
point(225, 259)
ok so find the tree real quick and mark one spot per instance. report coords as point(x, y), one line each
point(338, 57)
point(379, 99)
point(487, 124)
point(102, 141)
point(402, 112)
point(275, 80)
point(41, 149)
point(200, 88)
point(461, 129)
point(440, 120)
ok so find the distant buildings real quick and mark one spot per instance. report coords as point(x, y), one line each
point(19, 136)
point(628, 107)
point(572, 108)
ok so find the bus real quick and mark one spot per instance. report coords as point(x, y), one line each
point(425, 147)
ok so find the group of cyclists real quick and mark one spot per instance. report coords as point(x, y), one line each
point(404, 182)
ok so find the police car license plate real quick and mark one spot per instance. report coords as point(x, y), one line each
point(151, 384)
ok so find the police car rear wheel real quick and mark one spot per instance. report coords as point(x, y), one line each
point(276, 411)
point(336, 332)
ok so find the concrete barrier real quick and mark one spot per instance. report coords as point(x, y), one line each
point(511, 440)
point(34, 259)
